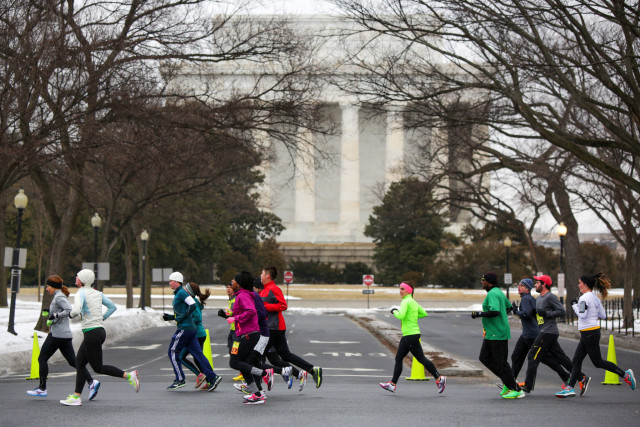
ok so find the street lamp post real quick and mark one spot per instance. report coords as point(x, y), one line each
point(507, 244)
point(96, 221)
point(144, 236)
point(20, 201)
point(562, 231)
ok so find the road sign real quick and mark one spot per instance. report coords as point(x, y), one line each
point(508, 279)
point(367, 279)
point(368, 291)
point(561, 285)
point(288, 276)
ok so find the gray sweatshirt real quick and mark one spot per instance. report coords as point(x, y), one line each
point(553, 309)
point(60, 307)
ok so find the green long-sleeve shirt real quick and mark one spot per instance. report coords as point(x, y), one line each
point(409, 313)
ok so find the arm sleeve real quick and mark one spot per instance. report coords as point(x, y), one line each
point(78, 302)
point(601, 313)
point(556, 309)
point(65, 305)
point(111, 307)
point(490, 313)
point(280, 304)
point(247, 311)
point(402, 311)
point(527, 308)
point(421, 311)
point(191, 304)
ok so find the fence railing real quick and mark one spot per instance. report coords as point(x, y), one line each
point(615, 321)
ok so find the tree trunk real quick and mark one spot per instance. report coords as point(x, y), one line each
point(573, 263)
point(147, 282)
point(128, 262)
point(3, 243)
point(630, 278)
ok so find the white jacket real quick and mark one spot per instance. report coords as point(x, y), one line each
point(88, 304)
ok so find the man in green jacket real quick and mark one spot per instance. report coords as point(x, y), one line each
point(496, 333)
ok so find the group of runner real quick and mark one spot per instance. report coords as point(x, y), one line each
point(539, 340)
point(258, 333)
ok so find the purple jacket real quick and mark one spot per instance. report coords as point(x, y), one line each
point(244, 313)
point(262, 314)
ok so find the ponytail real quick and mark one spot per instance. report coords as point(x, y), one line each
point(65, 290)
point(602, 285)
point(197, 292)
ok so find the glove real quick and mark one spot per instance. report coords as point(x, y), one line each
point(49, 322)
point(509, 309)
point(53, 316)
point(542, 312)
point(45, 313)
point(230, 320)
point(167, 316)
point(574, 301)
point(393, 310)
point(514, 307)
point(222, 313)
point(475, 314)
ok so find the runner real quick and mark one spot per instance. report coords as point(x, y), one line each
point(275, 304)
point(88, 304)
point(245, 318)
point(408, 314)
point(496, 334)
point(59, 338)
point(185, 336)
point(545, 347)
point(527, 314)
point(228, 313)
point(201, 334)
point(589, 310)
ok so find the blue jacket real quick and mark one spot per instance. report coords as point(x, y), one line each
point(527, 314)
point(183, 307)
point(197, 318)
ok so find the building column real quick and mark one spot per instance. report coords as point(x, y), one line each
point(305, 198)
point(394, 160)
point(350, 168)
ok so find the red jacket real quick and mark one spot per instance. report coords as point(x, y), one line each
point(275, 304)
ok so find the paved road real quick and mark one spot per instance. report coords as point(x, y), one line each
point(354, 363)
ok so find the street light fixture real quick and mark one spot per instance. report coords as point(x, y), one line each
point(507, 244)
point(20, 202)
point(96, 221)
point(144, 236)
point(562, 231)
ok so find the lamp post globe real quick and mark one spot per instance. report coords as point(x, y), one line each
point(20, 202)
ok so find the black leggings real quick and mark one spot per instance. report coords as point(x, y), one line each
point(546, 349)
point(239, 355)
point(411, 343)
point(590, 344)
point(51, 344)
point(90, 351)
point(493, 355)
point(278, 340)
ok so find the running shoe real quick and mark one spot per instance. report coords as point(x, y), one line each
point(254, 399)
point(505, 390)
point(316, 373)
point(242, 388)
point(389, 386)
point(522, 384)
point(287, 376)
point(212, 386)
point(200, 380)
point(238, 378)
point(176, 385)
point(584, 384)
point(93, 389)
point(268, 378)
point(440, 383)
point(566, 392)
point(72, 400)
point(134, 380)
point(303, 379)
point(37, 392)
point(630, 379)
point(513, 394)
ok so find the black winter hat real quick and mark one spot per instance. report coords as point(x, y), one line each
point(491, 278)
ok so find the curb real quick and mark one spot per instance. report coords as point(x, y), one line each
point(391, 335)
point(117, 328)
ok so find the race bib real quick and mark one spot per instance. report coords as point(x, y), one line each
point(234, 347)
point(540, 319)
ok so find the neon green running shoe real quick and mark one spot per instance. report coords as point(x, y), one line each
point(505, 390)
point(513, 394)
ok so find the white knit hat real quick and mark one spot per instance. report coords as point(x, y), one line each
point(86, 276)
point(177, 276)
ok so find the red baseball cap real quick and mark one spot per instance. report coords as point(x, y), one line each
point(544, 279)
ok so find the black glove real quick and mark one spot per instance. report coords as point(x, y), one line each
point(514, 307)
point(222, 313)
point(509, 309)
point(167, 316)
point(393, 309)
point(475, 314)
point(53, 316)
point(574, 301)
point(542, 312)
